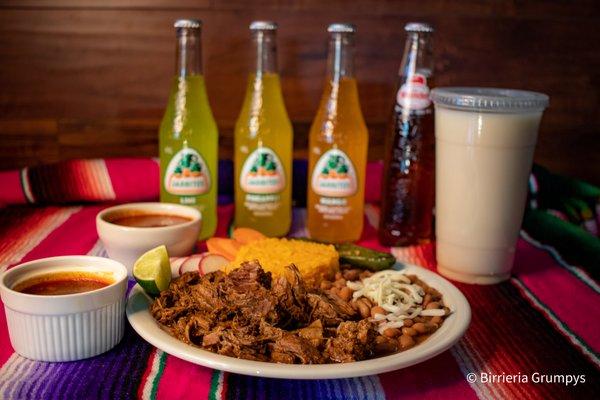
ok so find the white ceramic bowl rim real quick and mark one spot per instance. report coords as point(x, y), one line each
point(40, 262)
point(65, 303)
point(171, 208)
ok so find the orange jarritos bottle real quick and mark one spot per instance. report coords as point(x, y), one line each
point(263, 144)
point(338, 144)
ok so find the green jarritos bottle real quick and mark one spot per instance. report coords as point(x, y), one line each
point(189, 138)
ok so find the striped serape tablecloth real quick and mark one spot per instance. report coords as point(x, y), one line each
point(543, 325)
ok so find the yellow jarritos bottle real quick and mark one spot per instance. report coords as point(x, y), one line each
point(263, 144)
point(338, 144)
point(188, 140)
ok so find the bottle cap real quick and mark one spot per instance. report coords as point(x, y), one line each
point(341, 28)
point(489, 99)
point(263, 26)
point(420, 27)
point(188, 23)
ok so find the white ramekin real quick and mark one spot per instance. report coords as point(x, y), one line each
point(65, 327)
point(126, 244)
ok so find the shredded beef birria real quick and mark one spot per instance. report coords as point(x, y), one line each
point(248, 314)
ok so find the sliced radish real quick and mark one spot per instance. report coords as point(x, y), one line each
point(190, 264)
point(175, 265)
point(211, 262)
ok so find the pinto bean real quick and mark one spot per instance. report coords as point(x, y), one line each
point(406, 342)
point(365, 274)
point(436, 320)
point(408, 322)
point(346, 293)
point(377, 310)
point(431, 326)
point(383, 344)
point(391, 332)
point(426, 300)
point(340, 283)
point(409, 331)
point(351, 274)
point(338, 275)
point(367, 301)
point(363, 309)
point(420, 327)
point(432, 306)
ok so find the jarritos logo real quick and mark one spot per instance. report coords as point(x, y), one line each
point(262, 172)
point(414, 93)
point(334, 175)
point(187, 174)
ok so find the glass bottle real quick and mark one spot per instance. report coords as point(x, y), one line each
point(188, 137)
point(263, 142)
point(409, 165)
point(338, 142)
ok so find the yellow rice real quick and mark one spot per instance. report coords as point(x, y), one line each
point(314, 261)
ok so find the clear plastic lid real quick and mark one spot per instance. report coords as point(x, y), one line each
point(489, 99)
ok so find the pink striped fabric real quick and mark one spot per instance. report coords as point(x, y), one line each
point(180, 378)
point(560, 291)
point(440, 378)
point(93, 180)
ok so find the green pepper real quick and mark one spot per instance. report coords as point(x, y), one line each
point(362, 257)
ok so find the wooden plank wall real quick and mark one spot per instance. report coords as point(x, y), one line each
point(90, 78)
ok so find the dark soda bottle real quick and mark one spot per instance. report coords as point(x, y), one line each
point(409, 164)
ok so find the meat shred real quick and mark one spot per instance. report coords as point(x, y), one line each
point(247, 314)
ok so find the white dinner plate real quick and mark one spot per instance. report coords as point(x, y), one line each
point(445, 337)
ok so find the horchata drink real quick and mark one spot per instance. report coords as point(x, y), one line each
point(263, 144)
point(485, 139)
point(188, 140)
point(337, 147)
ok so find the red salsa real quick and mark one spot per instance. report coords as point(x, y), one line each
point(148, 220)
point(60, 283)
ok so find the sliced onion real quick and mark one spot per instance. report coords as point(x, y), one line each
point(394, 292)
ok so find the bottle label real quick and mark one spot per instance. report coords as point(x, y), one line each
point(262, 173)
point(414, 93)
point(334, 175)
point(187, 174)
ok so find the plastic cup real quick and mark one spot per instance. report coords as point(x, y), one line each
point(485, 140)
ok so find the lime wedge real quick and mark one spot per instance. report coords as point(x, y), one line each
point(153, 270)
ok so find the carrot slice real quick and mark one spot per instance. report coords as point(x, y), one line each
point(228, 248)
point(247, 235)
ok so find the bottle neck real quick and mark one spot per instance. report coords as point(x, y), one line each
point(340, 63)
point(418, 55)
point(188, 57)
point(266, 52)
point(416, 75)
